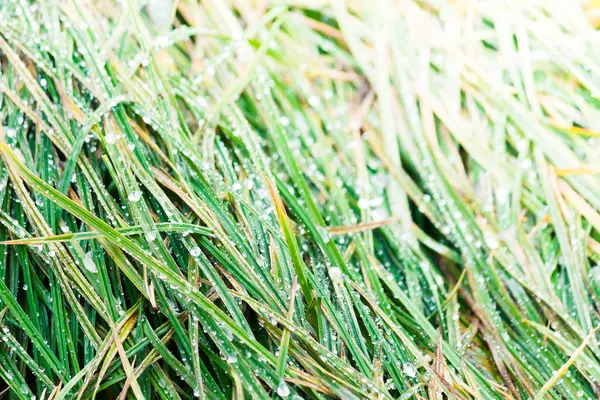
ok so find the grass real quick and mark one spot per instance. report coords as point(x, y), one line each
point(299, 199)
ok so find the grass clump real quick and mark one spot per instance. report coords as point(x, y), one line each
point(301, 200)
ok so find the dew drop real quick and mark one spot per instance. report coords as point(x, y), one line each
point(89, 264)
point(111, 138)
point(324, 233)
point(336, 275)
point(283, 390)
point(409, 369)
point(134, 197)
point(232, 358)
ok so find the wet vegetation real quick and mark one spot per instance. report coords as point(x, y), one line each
point(301, 199)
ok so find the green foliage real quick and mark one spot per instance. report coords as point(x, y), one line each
point(242, 199)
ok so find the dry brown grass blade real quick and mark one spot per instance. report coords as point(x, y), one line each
point(362, 227)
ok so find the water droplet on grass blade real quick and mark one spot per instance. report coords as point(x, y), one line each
point(162, 41)
point(134, 197)
point(491, 240)
point(409, 369)
point(336, 275)
point(89, 264)
point(63, 227)
point(284, 121)
point(231, 358)
point(111, 138)
point(324, 234)
point(160, 13)
point(283, 389)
